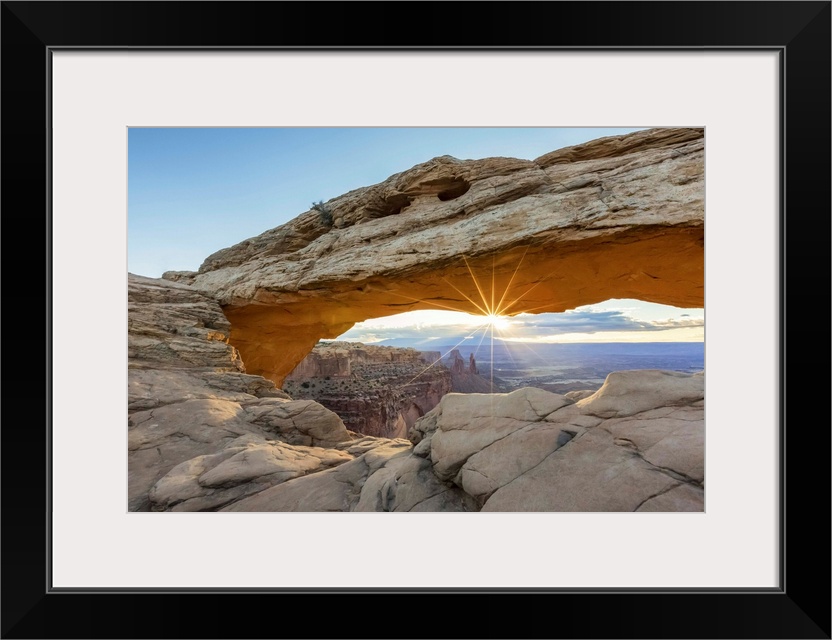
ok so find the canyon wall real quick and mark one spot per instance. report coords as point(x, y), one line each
point(376, 390)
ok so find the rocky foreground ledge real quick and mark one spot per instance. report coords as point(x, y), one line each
point(205, 436)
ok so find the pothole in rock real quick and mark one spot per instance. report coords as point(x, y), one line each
point(454, 189)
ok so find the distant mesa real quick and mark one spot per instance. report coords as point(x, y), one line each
point(457, 363)
point(376, 390)
point(465, 377)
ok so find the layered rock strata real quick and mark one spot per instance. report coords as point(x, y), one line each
point(189, 395)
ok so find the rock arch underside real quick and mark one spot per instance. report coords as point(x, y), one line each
point(618, 217)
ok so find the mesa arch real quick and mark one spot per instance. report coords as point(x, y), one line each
point(618, 217)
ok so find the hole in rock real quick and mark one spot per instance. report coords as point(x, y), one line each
point(390, 206)
point(385, 373)
point(454, 189)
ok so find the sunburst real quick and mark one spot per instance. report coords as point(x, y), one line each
point(497, 321)
point(492, 307)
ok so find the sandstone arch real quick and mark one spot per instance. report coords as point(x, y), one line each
point(619, 217)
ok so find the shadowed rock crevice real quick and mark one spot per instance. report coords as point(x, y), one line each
point(389, 206)
point(452, 189)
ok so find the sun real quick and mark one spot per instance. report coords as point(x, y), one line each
point(497, 321)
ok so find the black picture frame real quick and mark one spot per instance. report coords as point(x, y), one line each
point(799, 31)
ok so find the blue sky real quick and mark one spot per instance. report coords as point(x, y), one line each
point(193, 191)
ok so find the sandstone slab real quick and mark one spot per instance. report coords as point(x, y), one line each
point(625, 393)
point(470, 423)
point(247, 465)
point(386, 478)
point(533, 450)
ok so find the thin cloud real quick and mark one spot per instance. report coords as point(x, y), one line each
point(586, 321)
point(531, 327)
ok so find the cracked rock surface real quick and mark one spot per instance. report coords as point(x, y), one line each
point(532, 450)
point(386, 478)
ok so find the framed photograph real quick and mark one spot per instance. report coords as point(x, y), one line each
point(77, 77)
